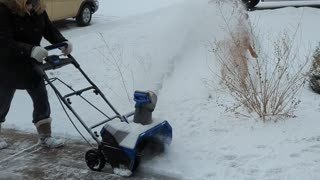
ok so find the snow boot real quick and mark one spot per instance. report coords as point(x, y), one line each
point(44, 133)
point(3, 144)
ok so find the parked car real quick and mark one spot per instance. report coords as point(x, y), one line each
point(253, 3)
point(81, 10)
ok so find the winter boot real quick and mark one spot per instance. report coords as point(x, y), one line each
point(3, 144)
point(44, 133)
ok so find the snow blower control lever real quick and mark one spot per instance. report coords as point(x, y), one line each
point(54, 59)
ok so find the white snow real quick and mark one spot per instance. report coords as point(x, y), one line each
point(123, 8)
point(3, 144)
point(162, 46)
point(9, 176)
point(122, 172)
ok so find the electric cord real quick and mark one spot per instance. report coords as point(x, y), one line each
point(70, 119)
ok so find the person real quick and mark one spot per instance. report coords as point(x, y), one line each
point(23, 24)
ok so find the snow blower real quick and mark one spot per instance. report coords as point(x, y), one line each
point(122, 142)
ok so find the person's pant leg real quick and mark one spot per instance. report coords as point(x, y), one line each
point(41, 106)
point(6, 96)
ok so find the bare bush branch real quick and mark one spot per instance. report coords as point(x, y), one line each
point(267, 86)
point(114, 57)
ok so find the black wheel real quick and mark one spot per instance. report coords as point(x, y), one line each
point(250, 3)
point(84, 16)
point(95, 160)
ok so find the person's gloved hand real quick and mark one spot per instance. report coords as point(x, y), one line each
point(39, 53)
point(67, 50)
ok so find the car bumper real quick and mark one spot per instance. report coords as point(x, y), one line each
point(96, 5)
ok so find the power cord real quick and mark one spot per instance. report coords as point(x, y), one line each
point(66, 112)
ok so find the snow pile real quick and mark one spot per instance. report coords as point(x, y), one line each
point(122, 172)
point(3, 144)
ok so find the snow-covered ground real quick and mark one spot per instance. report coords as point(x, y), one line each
point(163, 46)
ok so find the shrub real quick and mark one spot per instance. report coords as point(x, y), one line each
point(267, 85)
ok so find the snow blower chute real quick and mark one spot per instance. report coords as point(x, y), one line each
point(121, 143)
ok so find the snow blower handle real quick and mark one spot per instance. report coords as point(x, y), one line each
point(54, 61)
point(56, 46)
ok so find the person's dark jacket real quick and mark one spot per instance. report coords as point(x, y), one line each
point(18, 35)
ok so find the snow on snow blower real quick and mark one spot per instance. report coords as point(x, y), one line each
point(121, 143)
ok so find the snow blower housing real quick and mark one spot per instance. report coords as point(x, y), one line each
point(120, 143)
point(132, 139)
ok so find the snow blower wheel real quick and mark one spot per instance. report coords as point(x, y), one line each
point(95, 160)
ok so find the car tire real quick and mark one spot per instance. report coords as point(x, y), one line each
point(84, 16)
point(250, 3)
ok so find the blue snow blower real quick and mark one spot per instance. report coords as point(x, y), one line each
point(121, 143)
